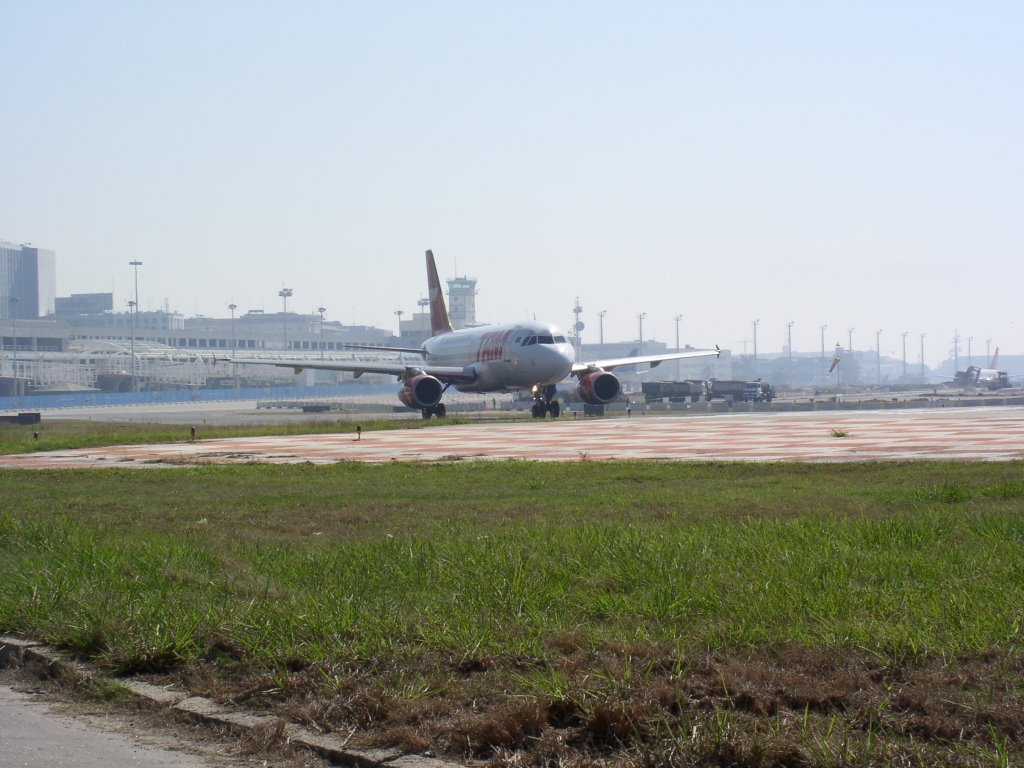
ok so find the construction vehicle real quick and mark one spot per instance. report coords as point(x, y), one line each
point(756, 391)
point(675, 391)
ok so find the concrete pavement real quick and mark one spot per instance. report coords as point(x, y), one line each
point(984, 434)
point(34, 735)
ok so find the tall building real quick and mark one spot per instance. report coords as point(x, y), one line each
point(462, 301)
point(28, 281)
point(84, 304)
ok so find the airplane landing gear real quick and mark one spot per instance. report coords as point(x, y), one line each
point(544, 402)
point(434, 410)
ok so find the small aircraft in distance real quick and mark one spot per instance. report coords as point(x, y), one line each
point(491, 358)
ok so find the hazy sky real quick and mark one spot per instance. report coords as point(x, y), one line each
point(858, 164)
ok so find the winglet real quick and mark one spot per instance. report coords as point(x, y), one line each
point(439, 321)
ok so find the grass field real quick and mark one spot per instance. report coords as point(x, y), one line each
point(65, 434)
point(535, 613)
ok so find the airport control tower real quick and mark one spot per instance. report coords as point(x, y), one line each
point(462, 301)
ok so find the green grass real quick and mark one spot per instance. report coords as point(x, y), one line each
point(279, 569)
point(54, 435)
point(500, 557)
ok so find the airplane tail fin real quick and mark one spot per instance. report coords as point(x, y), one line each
point(995, 360)
point(439, 321)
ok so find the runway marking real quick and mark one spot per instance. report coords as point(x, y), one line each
point(982, 434)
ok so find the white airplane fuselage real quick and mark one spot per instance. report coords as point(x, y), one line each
point(504, 357)
point(992, 378)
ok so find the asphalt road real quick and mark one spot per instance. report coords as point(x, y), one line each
point(34, 735)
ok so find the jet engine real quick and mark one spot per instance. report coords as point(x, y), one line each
point(421, 391)
point(598, 388)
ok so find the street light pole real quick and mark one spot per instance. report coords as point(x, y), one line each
point(234, 345)
point(284, 293)
point(135, 264)
point(640, 316)
point(677, 319)
point(755, 323)
point(600, 321)
point(321, 310)
point(849, 343)
point(905, 357)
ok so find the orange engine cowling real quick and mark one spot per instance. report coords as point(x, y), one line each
point(598, 388)
point(421, 391)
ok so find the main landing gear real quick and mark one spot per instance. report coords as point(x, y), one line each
point(543, 402)
point(434, 410)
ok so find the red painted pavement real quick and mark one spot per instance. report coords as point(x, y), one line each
point(986, 434)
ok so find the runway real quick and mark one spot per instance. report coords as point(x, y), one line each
point(977, 434)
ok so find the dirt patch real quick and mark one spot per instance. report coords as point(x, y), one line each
point(789, 706)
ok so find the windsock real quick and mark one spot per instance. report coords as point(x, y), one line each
point(835, 362)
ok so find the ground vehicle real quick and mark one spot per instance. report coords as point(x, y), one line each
point(675, 391)
point(756, 391)
point(981, 377)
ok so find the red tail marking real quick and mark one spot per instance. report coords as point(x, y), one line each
point(439, 322)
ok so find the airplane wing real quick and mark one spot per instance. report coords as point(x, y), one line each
point(447, 374)
point(405, 350)
point(654, 360)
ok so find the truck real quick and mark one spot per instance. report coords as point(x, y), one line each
point(756, 391)
point(674, 391)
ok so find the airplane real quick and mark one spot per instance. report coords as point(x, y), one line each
point(491, 358)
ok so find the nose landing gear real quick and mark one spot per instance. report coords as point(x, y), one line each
point(544, 402)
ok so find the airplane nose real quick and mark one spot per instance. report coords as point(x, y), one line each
point(553, 363)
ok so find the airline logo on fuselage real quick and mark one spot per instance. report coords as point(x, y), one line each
point(492, 346)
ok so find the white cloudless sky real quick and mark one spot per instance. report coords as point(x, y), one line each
point(858, 165)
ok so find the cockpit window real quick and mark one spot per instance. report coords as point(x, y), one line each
point(559, 339)
point(529, 340)
point(545, 340)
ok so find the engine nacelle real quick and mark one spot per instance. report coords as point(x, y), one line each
point(598, 388)
point(421, 391)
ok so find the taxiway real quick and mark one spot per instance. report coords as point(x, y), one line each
point(981, 434)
